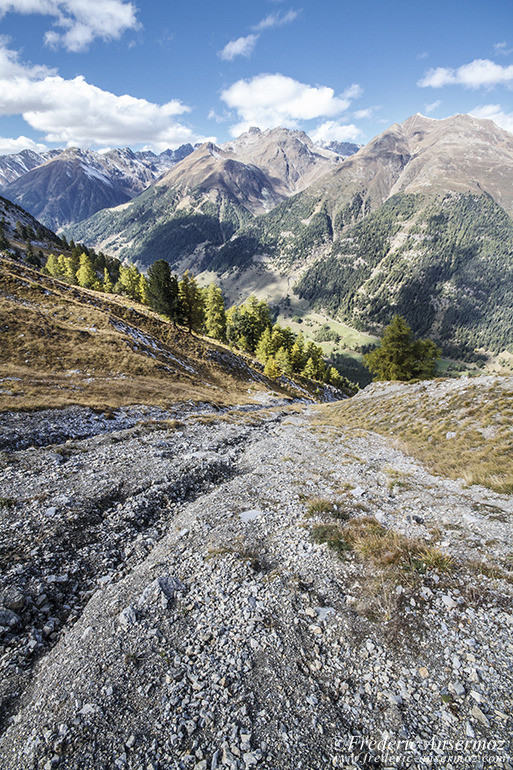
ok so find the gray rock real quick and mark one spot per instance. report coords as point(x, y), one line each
point(127, 617)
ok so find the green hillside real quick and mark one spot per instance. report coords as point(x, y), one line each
point(445, 265)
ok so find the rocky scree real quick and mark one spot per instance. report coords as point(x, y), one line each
point(183, 617)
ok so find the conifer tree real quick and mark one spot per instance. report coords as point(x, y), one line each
point(247, 322)
point(86, 275)
point(72, 265)
point(129, 280)
point(333, 377)
point(143, 290)
point(271, 369)
point(62, 262)
point(297, 354)
point(108, 286)
point(215, 313)
point(277, 338)
point(288, 338)
point(264, 349)
point(190, 301)
point(400, 356)
point(52, 265)
point(283, 360)
point(163, 289)
point(310, 370)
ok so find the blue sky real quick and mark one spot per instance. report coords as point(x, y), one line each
point(105, 73)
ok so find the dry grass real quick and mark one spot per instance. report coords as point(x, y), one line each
point(62, 345)
point(338, 509)
point(466, 433)
point(382, 547)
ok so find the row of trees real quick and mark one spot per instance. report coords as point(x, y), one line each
point(248, 326)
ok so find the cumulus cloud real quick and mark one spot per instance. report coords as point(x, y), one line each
point(243, 46)
point(332, 131)
point(75, 112)
point(267, 101)
point(496, 113)
point(429, 108)
point(78, 22)
point(10, 146)
point(276, 20)
point(480, 72)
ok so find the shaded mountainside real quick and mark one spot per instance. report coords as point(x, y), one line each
point(444, 264)
point(18, 228)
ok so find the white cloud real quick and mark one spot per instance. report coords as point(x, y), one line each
point(267, 101)
point(243, 46)
point(332, 131)
point(496, 113)
point(12, 67)
point(502, 49)
point(78, 22)
point(366, 113)
point(75, 112)
point(276, 20)
point(481, 72)
point(429, 108)
point(10, 146)
point(353, 92)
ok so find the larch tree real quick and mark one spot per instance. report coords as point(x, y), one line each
point(400, 356)
point(86, 275)
point(191, 302)
point(215, 313)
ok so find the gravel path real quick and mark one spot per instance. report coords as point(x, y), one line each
point(164, 604)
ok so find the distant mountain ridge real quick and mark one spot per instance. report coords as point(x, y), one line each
point(210, 195)
point(417, 222)
point(60, 187)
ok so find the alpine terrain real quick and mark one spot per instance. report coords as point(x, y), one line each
point(64, 186)
point(216, 553)
point(417, 222)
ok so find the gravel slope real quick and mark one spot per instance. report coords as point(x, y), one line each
point(164, 605)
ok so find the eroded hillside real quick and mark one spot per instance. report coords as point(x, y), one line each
point(265, 588)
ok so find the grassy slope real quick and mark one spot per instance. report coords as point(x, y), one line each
point(60, 344)
point(461, 429)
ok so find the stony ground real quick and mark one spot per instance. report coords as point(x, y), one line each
point(163, 603)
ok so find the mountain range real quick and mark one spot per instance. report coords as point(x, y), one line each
point(60, 187)
point(417, 222)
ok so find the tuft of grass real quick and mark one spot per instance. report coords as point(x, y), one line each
point(383, 548)
point(330, 534)
point(7, 502)
point(319, 506)
point(387, 548)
